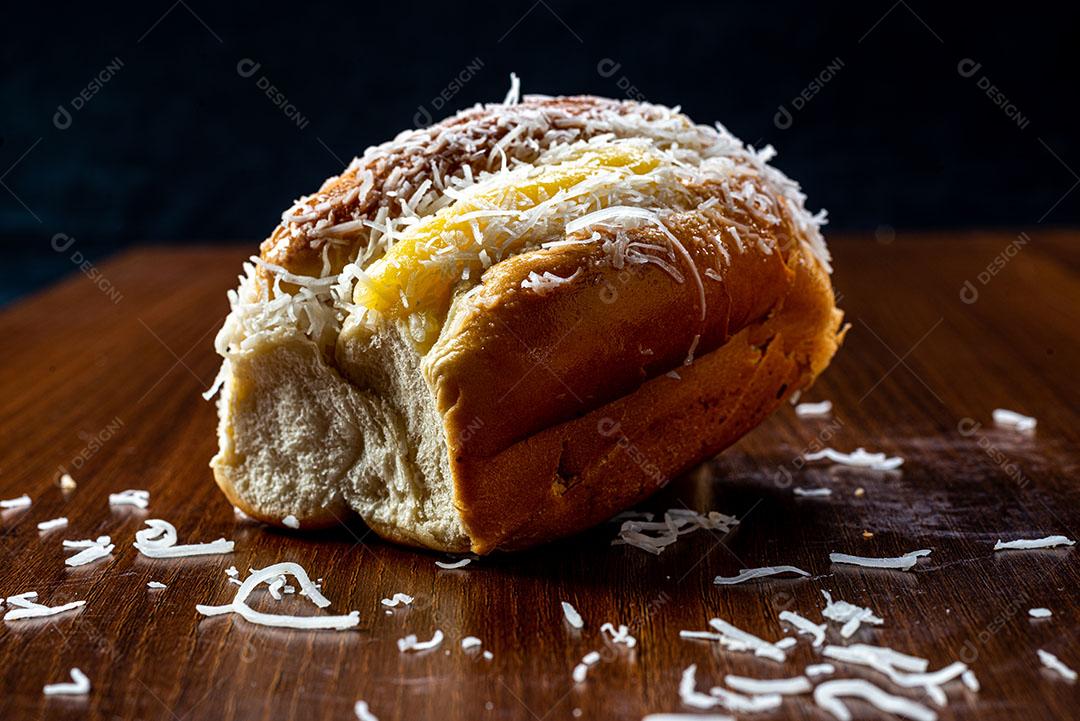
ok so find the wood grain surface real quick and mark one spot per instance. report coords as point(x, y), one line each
point(102, 376)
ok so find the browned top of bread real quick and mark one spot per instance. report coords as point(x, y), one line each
point(387, 173)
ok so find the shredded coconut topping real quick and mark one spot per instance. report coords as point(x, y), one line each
point(395, 189)
point(546, 282)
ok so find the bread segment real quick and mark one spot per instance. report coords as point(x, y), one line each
point(510, 327)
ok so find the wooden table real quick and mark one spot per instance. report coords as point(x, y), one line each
point(109, 389)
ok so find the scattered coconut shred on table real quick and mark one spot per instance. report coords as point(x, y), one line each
point(26, 607)
point(811, 492)
point(902, 563)
point(581, 671)
point(1011, 419)
point(22, 501)
point(363, 713)
point(902, 669)
point(849, 614)
point(87, 542)
point(159, 541)
point(78, 686)
point(813, 410)
point(1032, 543)
point(806, 626)
point(54, 523)
point(735, 639)
point(618, 635)
point(748, 574)
point(572, 616)
point(411, 643)
point(717, 696)
point(827, 696)
point(93, 551)
point(677, 522)
point(454, 565)
point(688, 716)
point(759, 686)
point(398, 599)
point(269, 575)
point(859, 458)
point(1056, 665)
point(819, 669)
point(130, 497)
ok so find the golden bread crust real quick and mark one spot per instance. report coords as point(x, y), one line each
point(512, 362)
point(572, 475)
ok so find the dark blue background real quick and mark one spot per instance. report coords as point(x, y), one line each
point(178, 146)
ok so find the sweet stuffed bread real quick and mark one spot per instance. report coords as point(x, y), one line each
point(507, 327)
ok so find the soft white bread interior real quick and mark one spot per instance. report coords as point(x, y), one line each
point(509, 326)
point(297, 439)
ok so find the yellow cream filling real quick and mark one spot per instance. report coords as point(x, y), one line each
point(418, 273)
